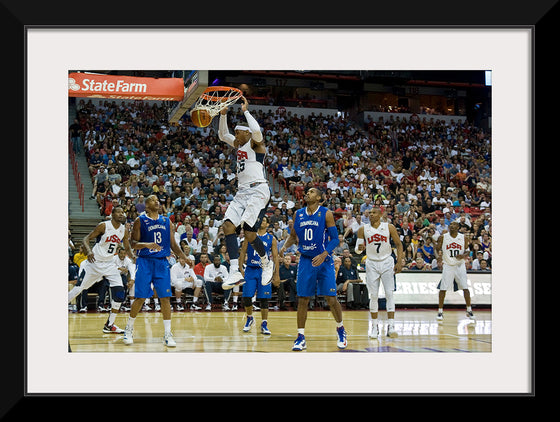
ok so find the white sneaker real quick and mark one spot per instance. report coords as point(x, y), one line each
point(225, 307)
point(179, 307)
point(250, 322)
point(127, 338)
point(391, 332)
point(157, 308)
point(267, 270)
point(235, 279)
point(373, 331)
point(208, 307)
point(195, 307)
point(439, 316)
point(168, 340)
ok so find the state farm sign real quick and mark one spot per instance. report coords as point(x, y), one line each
point(125, 87)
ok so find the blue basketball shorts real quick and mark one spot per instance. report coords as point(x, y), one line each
point(152, 271)
point(253, 283)
point(319, 280)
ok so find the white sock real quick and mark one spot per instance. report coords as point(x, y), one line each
point(300, 330)
point(130, 322)
point(339, 324)
point(112, 317)
point(233, 266)
point(391, 322)
point(469, 308)
point(167, 325)
point(440, 310)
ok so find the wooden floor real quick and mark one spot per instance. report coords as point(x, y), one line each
point(218, 331)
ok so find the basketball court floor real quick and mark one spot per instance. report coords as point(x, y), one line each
point(219, 331)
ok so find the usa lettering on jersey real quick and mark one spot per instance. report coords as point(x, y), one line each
point(377, 238)
point(113, 239)
point(454, 245)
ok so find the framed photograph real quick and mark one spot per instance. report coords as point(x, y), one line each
point(504, 45)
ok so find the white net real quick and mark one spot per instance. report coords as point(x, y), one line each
point(216, 98)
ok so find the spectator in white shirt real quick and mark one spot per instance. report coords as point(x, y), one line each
point(214, 275)
point(183, 278)
point(285, 200)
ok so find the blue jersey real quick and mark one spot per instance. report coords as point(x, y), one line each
point(158, 231)
point(311, 231)
point(253, 258)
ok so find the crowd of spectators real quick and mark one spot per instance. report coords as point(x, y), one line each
point(423, 173)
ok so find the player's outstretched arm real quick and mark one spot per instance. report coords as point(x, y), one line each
point(256, 134)
point(223, 131)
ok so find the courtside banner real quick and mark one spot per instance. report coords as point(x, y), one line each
point(125, 87)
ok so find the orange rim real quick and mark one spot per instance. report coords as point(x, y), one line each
point(219, 92)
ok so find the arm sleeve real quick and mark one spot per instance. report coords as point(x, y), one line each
point(223, 132)
point(333, 236)
point(254, 126)
point(359, 242)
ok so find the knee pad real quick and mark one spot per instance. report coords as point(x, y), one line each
point(373, 303)
point(247, 302)
point(117, 293)
point(264, 303)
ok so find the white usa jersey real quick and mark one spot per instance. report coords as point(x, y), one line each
point(451, 247)
point(106, 246)
point(378, 241)
point(250, 166)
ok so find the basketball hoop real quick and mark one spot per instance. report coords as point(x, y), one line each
point(216, 98)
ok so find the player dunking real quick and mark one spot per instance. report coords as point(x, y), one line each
point(99, 263)
point(375, 237)
point(313, 225)
point(153, 237)
point(253, 193)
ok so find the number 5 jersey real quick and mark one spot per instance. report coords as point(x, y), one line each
point(106, 246)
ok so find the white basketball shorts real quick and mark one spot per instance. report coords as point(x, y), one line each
point(92, 272)
point(450, 273)
point(247, 204)
point(383, 271)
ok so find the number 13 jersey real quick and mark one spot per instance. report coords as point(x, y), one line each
point(158, 231)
